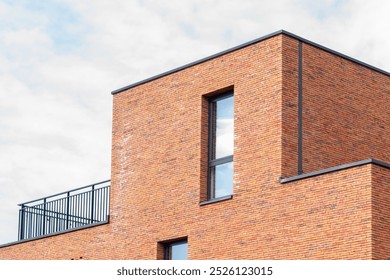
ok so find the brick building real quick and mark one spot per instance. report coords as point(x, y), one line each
point(276, 149)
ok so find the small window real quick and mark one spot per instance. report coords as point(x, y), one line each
point(221, 145)
point(176, 250)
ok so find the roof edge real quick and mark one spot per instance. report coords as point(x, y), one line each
point(199, 61)
point(336, 53)
point(333, 169)
point(12, 243)
point(255, 41)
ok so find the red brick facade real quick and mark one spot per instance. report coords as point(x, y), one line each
point(159, 162)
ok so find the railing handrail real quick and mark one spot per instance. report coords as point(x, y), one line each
point(65, 197)
point(58, 194)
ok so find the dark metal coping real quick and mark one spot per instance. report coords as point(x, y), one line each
point(300, 110)
point(255, 41)
point(333, 169)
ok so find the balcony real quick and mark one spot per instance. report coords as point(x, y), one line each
point(73, 209)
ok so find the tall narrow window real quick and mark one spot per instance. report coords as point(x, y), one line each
point(176, 250)
point(221, 145)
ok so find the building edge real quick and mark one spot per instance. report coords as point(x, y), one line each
point(255, 41)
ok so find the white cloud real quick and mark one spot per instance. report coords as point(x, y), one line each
point(25, 37)
point(60, 60)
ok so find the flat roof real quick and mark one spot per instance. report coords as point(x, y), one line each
point(255, 41)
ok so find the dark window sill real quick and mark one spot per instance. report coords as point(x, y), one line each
point(214, 200)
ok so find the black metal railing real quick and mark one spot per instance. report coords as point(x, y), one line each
point(64, 211)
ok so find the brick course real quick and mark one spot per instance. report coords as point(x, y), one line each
point(346, 114)
point(159, 163)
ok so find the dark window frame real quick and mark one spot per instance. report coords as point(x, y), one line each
point(212, 128)
point(168, 247)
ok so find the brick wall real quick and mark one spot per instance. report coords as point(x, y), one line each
point(345, 111)
point(345, 114)
point(381, 213)
point(159, 163)
point(163, 152)
point(290, 107)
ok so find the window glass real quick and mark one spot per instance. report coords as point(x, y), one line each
point(179, 251)
point(224, 136)
point(223, 179)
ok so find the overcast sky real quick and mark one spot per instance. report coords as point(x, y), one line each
point(60, 59)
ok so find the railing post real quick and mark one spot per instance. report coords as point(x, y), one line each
point(57, 222)
point(21, 222)
point(44, 217)
point(92, 202)
point(67, 210)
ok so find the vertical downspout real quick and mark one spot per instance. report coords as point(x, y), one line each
point(300, 164)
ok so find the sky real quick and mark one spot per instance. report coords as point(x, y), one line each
point(60, 60)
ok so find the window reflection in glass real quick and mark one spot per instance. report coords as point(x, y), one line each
point(222, 176)
point(224, 136)
point(177, 251)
